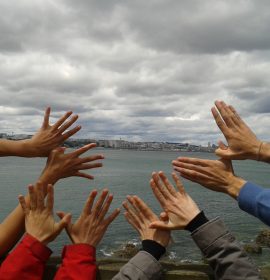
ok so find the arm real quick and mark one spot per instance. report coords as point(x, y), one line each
point(242, 142)
point(145, 265)
point(255, 200)
point(223, 253)
point(79, 261)
point(225, 256)
point(59, 165)
point(218, 175)
point(46, 139)
point(28, 260)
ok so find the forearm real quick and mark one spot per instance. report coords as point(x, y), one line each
point(11, 230)
point(20, 148)
point(141, 267)
point(26, 261)
point(223, 253)
point(79, 262)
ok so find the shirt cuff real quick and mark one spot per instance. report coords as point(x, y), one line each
point(38, 249)
point(80, 249)
point(247, 198)
point(154, 248)
point(196, 222)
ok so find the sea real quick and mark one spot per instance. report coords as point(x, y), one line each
point(127, 172)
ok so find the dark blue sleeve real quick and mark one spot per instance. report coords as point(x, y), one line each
point(255, 200)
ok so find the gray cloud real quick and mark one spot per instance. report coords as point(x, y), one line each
point(134, 69)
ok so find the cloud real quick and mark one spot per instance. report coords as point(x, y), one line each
point(134, 69)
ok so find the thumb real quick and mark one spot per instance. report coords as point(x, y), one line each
point(65, 221)
point(223, 153)
point(60, 214)
point(160, 225)
point(164, 217)
point(222, 146)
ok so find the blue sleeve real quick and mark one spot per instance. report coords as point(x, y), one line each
point(255, 200)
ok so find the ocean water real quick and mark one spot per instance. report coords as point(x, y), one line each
point(128, 172)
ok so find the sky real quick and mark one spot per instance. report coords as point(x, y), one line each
point(136, 70)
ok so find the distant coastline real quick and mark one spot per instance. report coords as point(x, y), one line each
point(127, 145)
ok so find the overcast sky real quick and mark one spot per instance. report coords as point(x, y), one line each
point(135, 69)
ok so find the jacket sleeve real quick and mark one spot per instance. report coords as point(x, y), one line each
point(27, 261)
point(141, 267)
point(255, 200)
point(223, 253)
point(78, 262)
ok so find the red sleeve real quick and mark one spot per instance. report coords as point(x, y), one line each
point(79, 262)
point(26, 261)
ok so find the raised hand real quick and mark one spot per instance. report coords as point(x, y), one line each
point(242, 142)
point(178, 205)
point(39, 221)
point(217, 175)
point(60, 165)
point(49, 136)
point(92, 223)
point(140, 216)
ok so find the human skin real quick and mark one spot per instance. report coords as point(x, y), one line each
point(216, 175)
point(59, 165)
point(92, 224)
point(140, 216)
point(47, 138)
point(178, 205)
point(39, 220)
point(242, 142)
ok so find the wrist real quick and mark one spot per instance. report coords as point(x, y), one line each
point(154, 248)
point(29, 148)
point(264, 152)
point(48, 177)
point(235, 186)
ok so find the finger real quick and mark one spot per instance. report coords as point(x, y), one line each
point(193, 175)
point(227, 154)
point(167, 183)
point(40, 195)
point(97, 207)
point(32, 196)
point(67, 124)
point(144, 208)
point(132, 222)
point(71, 132)
point(61, 120)
point(112, 217)
point(237, 116)
point(160, 225)
point(89, 202)
point(220, 123)
point(178, 183)
point(50, 198)
point(105, 207)
point(195, 161)
point(222, 146)
point(136, 210)
point(84, 175)
point(157, 193)
point(84, 149)
point(86, 166)
point(23, 204)
point(160, 186)
point(91, 158)
point(45, 123)
point(225, 113)
point(131, 212)
point(189, 166)
point(64, 223)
